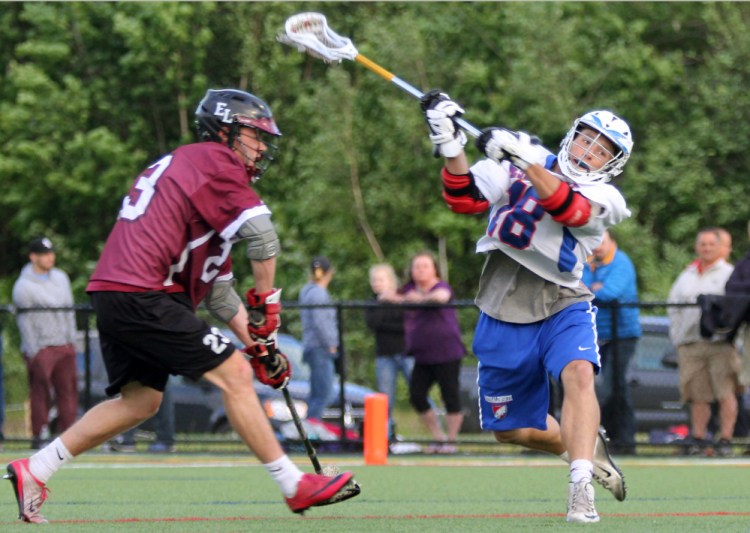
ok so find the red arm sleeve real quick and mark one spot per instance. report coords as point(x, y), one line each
point(568, 207)
point(461, 194)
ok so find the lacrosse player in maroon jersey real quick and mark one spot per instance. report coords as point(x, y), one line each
point(168, 251)
point(547, 213)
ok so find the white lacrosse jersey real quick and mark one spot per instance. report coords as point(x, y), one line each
point(519, 227)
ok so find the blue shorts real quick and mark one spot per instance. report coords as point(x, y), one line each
point(515, 360)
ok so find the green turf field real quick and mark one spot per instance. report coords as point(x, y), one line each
point(216, 493)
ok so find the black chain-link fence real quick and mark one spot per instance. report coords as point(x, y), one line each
point(652, 379)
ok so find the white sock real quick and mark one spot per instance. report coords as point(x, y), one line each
point(49, 460)
point(286, 474)
point(581, 470)
point(564, 457)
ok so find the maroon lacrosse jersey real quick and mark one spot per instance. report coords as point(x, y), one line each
point(175, 229)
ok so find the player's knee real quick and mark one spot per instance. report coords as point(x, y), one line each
point(143, 409)
point(507, 437)
point(140, 402)
point(150, 409)
point(578, 375)
point(233, 376)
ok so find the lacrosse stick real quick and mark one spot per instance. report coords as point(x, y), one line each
point(310, 33)
point(301, 430)
point(349, 490)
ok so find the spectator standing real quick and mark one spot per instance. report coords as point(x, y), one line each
point(320, 337)
point(169, 250)
point(547, 213)
point(708, 369)
point(611, 276)
point(387, 323)
point(47, 338)
point(725, 245)
point(433, 338)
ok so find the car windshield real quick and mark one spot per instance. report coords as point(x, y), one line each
point(650, 351)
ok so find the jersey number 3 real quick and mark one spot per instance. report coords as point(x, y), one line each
point(146, 184)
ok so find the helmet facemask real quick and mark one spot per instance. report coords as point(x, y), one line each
point(586, 136)
point(258, 164)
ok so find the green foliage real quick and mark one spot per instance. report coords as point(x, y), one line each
point(92, 92)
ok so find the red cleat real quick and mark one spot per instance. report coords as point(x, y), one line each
point(30, 492)
point(315, 490)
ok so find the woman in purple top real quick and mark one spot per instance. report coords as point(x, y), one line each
point(433, 337)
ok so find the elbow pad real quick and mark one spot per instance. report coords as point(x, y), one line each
point(461, 194)
point(262, 241)
point(222, 301)
point(568, 207)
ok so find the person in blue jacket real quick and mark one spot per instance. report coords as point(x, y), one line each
point(611, 276)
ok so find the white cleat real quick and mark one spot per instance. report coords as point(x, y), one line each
point(581, 503)
point(606, 472)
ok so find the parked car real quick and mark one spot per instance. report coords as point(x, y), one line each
point(652, 380)
point(199, 409)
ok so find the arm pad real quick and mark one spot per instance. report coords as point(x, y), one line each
point(461, 194)
point(222, 301)
point(262, 241)
point(568, 207)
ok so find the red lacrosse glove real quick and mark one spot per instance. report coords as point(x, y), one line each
point(271, 367)
point(263, 319)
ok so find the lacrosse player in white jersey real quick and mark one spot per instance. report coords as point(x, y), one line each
point(547, 213)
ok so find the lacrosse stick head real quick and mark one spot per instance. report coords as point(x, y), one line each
point(310, 33)
point(350, 490)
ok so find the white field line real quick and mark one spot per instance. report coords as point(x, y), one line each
point(351, 462)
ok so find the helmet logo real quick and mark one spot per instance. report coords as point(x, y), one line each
point(610, 132)
point(222, 111)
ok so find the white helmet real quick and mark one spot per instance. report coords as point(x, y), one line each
point(610, 126)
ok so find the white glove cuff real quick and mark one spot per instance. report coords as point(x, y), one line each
point(455, 146)
point(520, 163)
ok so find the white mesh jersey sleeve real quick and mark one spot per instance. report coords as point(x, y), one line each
point(521, 228)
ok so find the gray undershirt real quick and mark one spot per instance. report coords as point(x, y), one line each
point(510, 292)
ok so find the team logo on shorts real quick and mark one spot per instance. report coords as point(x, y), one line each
point(500, 411)
point(499, 405)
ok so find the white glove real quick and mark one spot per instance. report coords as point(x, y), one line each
point(522, 151)
point(492, 142)
point(448, 140)
point(499, 144)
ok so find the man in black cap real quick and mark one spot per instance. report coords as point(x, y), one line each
point(47, 338)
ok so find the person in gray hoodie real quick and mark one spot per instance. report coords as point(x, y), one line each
point(320, 337)
point(47, 338)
